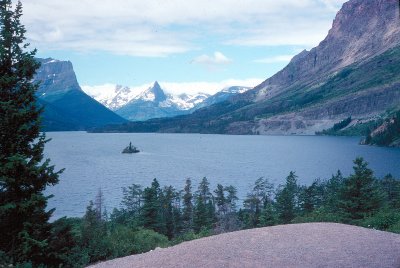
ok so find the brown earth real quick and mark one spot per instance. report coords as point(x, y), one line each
point(295, 245)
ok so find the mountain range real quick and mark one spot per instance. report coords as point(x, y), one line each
point(155, 102)
point(68, 107)
point(354, 72)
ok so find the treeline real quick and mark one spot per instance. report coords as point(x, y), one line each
point(387, 133)
point(336, 127)
point(158, 216)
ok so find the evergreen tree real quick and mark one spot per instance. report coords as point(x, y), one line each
point(171, 213)
point(361, 196)
point(333, 188)
point(311, 197)
point(132, 199)
point(231, 198)
point(268, 215)
point(24, 227)
point(151, 210)
point(204, 211)
point(220, 200)
point(187, 213)
point(287, 199)
point(94, 240)
point(226, 209)
point(256, 201)
point(391, 187)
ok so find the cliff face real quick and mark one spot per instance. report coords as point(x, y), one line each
point(67, 107)
point(362, 29)
point(56, 78)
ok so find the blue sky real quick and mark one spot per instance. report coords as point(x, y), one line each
point(186, 45)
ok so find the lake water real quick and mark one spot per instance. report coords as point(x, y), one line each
point(94, 161)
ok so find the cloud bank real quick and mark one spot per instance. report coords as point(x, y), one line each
point(157, 28)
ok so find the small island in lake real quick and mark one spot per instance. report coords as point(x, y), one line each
point(130, 149)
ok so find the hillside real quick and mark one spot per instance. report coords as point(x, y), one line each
point(353, 72)
point(295, 245)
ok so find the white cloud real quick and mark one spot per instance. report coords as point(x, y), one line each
point(159, 28)
point(217, 59)
point(275, 59)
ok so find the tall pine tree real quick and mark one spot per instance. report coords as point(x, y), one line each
point(361, 195)
point(287, 199)
point(24, 227)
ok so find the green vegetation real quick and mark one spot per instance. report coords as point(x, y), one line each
point(387, 133)
point(384, 131)
point(158, 216)
point(26, 236)
point(336, 127)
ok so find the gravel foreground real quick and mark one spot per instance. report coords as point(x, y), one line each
point(294, 245)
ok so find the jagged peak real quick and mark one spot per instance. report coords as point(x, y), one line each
point(154, 93)
point(156, 85)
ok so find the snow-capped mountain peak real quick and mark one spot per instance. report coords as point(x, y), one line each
point(235, 90)
point(154, 94)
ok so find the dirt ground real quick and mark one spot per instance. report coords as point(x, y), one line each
point(294, 245)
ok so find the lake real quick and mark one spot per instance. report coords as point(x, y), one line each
point(94, 161)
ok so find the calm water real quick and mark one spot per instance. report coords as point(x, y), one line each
point(94, 161)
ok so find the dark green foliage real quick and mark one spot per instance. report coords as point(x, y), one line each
point(287, 199)
point(360, 195)
point(311, 197)
point(187, 213)
point(151, 211)
point(131, 205)
point(126, 241)
point(388, 134)
point(386, 220)
point(62, 243)
point(25, 234)
point(333, 188)
point(391, 187)
point(93, 234)
point(146, 240)
point(203, 216)
point(225, 202)
point(336, 127)
point(231, 198)
point(257, 200)
point(170, 203)
point(220, 200)
point(358, 199)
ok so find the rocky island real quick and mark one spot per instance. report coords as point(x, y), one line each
point(130, 149)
